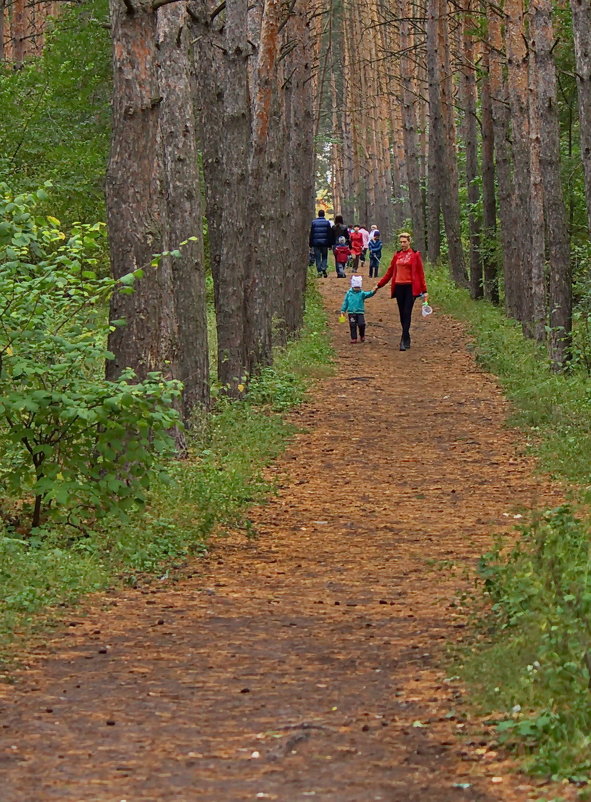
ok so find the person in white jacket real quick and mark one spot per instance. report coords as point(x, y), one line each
point(365, 234)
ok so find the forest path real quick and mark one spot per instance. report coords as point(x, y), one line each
point(302, 664)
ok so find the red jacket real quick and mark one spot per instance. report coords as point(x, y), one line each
point(342, 253)
point(356, 242)
point(418, 274)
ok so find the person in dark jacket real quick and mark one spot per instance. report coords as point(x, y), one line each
point(339, 229)
point(321, 240)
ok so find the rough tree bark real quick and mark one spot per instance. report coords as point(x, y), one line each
point(519, 301)
point(471, 145)
point(182, 203)
point(555, 212)
point(409, 118)
point(208, 100)
point(503, 162)
point(235, 226)
point(489, 203)
point(263, 166)
point(434, 147)
point(300, 188)
point(134, 197)
point(582, 40)
point(536, 323)
point(450, 200)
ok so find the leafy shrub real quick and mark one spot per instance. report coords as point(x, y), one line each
point(70, 439)
point(540, 593)
point(56, 115)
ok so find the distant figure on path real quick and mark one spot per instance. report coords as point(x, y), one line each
point(339, 229)
point(321, 240)
point(365, 235)
point(354, 307)
point(375, 253)
point(356, 246)
point(408, 282)
point(342, 252)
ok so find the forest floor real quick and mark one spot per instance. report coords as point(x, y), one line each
point(308, 662)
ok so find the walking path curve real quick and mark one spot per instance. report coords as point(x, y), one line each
point(306, 663)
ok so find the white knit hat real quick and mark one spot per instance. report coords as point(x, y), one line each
point(356, 281)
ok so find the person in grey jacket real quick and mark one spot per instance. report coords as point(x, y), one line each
point(321, 239)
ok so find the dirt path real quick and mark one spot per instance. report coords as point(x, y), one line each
point(304, 664)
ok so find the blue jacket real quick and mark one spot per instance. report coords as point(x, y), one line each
point(355, 301)
point(320, 233)
point(375, 247)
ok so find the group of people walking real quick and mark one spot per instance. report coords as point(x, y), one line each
point(405, 273)
point(350, 246)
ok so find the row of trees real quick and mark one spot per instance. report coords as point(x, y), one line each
point(463, 114)
point(218, 96)
point(458, 117)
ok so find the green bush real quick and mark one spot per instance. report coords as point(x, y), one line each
point(70, 440)
point(540, 617)
point(55, 122)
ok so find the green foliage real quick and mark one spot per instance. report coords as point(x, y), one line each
point(581, 339)
point(55, 122)
point(69, 439)
point(540, 618)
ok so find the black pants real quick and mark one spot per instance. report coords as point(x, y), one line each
point(374, 265)
point(406, 300)
point(356, 319)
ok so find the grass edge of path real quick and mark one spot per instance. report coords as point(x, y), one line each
point(527, 663)
point(40, 579)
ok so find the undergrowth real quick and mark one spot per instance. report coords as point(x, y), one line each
point(529, 665)
point(188, 502)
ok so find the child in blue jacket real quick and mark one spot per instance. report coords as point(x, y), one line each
point(354, 307)
point(375, 253)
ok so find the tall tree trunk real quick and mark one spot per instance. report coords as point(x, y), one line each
point(450, 199)
point(182, 203)
point(134, 197)
point(471, 144)
point(489, 203)
point(555, 211)
point(503, 162)
point(536, 322)
point(434, 175)
point(582, 41)
point(300, 186)
point(235, 226)
point(519, 299)
point(399, 167)
point(2, 29)
point(410, 133)
point(208, 101)
point(264, 164)
point(17, 29)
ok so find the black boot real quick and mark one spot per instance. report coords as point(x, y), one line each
point(406, 341)
point(402, 345)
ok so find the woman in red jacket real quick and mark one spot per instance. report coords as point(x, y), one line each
point(408, 282)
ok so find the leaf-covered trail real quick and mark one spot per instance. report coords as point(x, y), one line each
point(303, 664)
